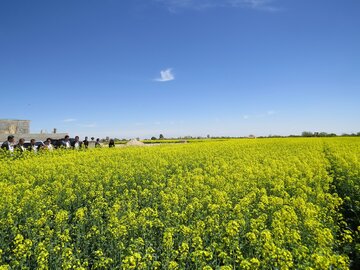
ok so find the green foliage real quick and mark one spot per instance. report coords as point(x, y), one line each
point(344, 168)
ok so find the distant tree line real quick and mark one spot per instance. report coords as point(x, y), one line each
point(303, 134)
point(324, 134)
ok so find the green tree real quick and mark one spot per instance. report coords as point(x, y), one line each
point(307, 134)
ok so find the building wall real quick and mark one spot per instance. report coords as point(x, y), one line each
point(21, 129)
point(14, 126)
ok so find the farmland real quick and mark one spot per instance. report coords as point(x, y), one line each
point(237, 204)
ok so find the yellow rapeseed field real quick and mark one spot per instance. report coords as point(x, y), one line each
point(236, 204)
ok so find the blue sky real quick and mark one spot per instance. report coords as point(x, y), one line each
point(138, 68)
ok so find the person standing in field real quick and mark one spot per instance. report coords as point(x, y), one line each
point(9, 144)
point(48, 145)
point(32, 147)
point(76, 144)
point(66, 142)
point(111, 143)
point(97, 143)
point(20, 146)
point(86, 142)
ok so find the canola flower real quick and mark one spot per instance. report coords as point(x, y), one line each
point(236, 204)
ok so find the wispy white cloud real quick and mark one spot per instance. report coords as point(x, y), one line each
point(174, 5)
point(271, 112)
point(166, 76)
point(69, 120)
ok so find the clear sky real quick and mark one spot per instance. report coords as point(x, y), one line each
point(138, 68)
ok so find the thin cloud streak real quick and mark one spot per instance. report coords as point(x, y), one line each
point(174, 5)
point(91, 125)
point(261, 115)
point(68, 120)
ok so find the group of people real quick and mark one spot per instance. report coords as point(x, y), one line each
point(11, 146)
point(49, 144)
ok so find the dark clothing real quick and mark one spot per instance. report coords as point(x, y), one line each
point(56, 143)
point(86, 143)
point(63, 143)
point(33, 147)
point(74, 142)
point(19, 148)
point(97, 144)
point(5, 145)
point(111, 144)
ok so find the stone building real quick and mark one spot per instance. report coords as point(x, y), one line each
point(8, 126)
point(21, 129)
